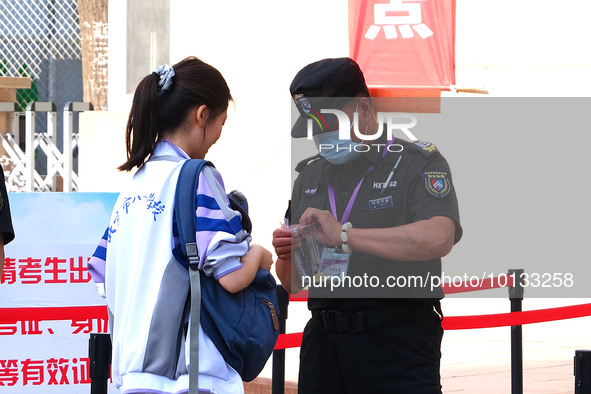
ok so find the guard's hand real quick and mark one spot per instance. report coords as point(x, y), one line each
point(284, 241)
point(329, 229)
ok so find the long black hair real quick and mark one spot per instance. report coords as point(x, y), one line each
point(154, 113)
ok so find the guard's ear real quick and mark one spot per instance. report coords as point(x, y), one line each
point(365, 109)
point(366, 115)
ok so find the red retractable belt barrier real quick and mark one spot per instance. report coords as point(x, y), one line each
point(481, 321)
point(12, 315)
point(516, 318)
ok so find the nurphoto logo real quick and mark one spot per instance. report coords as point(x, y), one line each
point(387, 122)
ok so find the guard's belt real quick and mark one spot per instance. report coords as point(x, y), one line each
point(374, 320)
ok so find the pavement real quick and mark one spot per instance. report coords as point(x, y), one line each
point(551, 376)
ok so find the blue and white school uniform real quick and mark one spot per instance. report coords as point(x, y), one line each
point(146, 288)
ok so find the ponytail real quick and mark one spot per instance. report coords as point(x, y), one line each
point(141, 132)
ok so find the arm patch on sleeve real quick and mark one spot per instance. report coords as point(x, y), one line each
point(437, 183)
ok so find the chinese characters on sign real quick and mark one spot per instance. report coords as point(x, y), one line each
point(406, 16)
point(404, 44)
point(32, 326)
point(30, 270)
point(52, 371)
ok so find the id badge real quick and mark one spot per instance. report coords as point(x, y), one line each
point(334, 263)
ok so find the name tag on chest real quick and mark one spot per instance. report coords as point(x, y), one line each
point(381, 203)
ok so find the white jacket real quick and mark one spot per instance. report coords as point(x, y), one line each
point(146, 288)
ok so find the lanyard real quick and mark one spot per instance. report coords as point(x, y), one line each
point(332, 200)
point(331, 195)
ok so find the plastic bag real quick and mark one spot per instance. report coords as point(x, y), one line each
point(307, 256)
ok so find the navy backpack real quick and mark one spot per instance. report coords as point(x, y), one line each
point(244, 326)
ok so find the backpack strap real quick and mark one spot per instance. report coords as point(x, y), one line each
point(186, 220)
point(184, 208)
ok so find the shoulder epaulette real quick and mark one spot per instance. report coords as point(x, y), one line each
point(426, 148)
point(300, 166)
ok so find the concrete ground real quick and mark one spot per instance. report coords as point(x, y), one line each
point(539, 377)
point(550, 376)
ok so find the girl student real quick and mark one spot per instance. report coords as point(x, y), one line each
point(177, 113)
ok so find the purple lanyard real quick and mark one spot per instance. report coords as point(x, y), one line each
point(332, 199)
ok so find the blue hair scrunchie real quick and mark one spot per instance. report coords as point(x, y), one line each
point(166, 72)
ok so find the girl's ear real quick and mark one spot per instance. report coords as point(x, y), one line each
point(200, 114)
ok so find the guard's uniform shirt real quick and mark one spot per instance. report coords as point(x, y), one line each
point(421, 188)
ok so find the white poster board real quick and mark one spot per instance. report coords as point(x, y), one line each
point(48, 301)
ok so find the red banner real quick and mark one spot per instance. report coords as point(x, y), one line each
point(403, 45)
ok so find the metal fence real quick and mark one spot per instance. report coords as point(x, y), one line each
point(21, 165)
point(41, 39)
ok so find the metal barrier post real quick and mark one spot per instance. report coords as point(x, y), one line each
point(582, 371)
point(99, 352)
point(68, 133)
point(278, 374)
point(516, 298)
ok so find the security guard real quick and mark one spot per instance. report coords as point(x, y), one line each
point(387, 211)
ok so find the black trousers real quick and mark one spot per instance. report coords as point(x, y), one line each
point(401, 358)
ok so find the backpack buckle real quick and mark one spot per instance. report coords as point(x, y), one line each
point(192, 256)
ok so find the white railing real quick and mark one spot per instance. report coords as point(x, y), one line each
point(59, 162)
